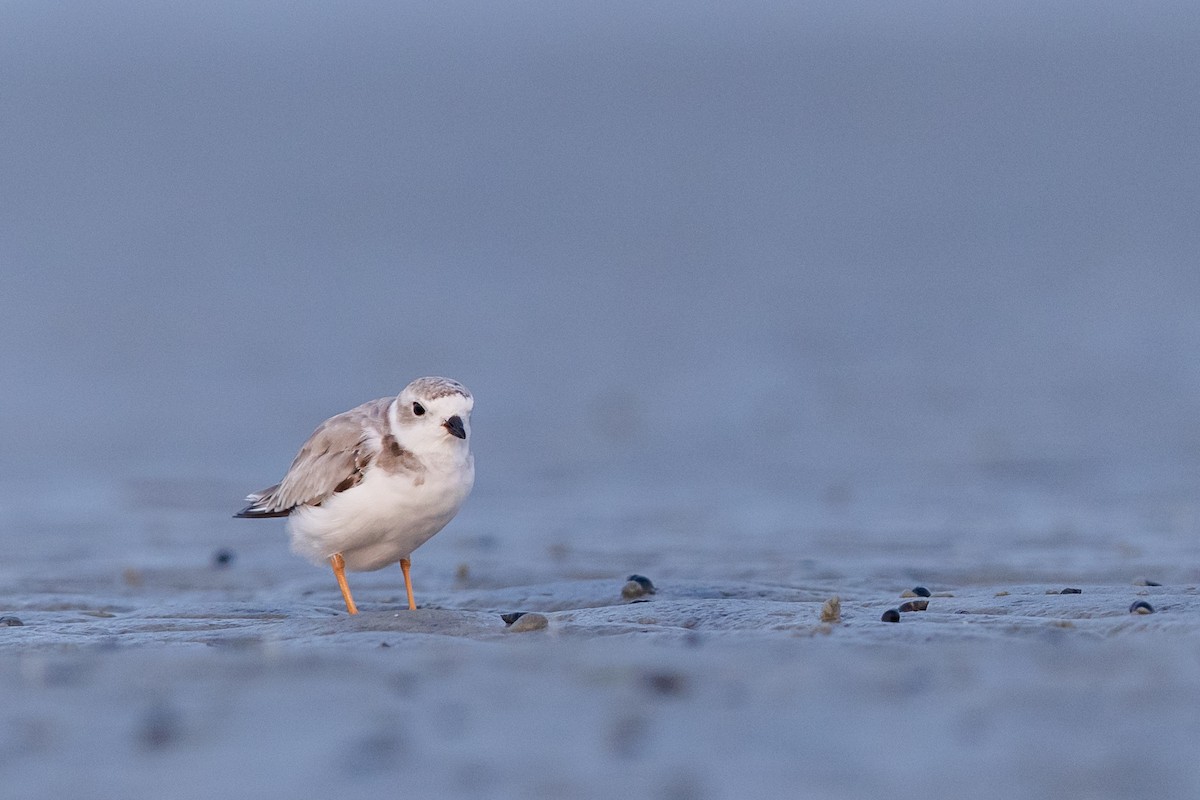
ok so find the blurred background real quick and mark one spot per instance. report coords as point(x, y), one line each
point(717, 273)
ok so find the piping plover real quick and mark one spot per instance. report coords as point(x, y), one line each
point(376, 482)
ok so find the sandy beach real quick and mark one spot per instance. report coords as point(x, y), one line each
point(163, 672)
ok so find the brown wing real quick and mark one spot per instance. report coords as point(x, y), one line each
point(332, 460)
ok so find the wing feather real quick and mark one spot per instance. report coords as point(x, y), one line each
point(332, 460)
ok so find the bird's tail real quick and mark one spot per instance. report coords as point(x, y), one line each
point(257, 509)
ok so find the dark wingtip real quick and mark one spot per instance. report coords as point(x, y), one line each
point(250, 512)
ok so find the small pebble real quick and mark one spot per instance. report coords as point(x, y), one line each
point(914, 605)
point(159, 728)
point(512, 617)
point(667, 683)
point(462, 574)
point(831, 610)
point(10, 622)
point(891, 615)
point(644, 581)
point(223, 558)
point(529, 622)
point(1141, 607)
point(632, 590)
point(637, 586)
point(916, 591)
point(1145, 582)
point(1071, 591)
point(132, 577)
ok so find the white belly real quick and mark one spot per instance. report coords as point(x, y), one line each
point(382, 520)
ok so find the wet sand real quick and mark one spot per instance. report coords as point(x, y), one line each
point(190, 679)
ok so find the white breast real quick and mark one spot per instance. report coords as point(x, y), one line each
point(384, 518)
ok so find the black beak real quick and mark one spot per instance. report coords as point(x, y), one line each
point(455, 426)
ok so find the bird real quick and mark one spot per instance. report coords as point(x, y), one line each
point(374, 483)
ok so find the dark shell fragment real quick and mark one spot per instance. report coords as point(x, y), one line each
point(644, 582)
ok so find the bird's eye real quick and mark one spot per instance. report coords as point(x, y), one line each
point(418, 409)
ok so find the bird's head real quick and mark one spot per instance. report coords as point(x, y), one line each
point(434, 412)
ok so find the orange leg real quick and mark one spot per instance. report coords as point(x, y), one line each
point(339, 571)
point(404, 565)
